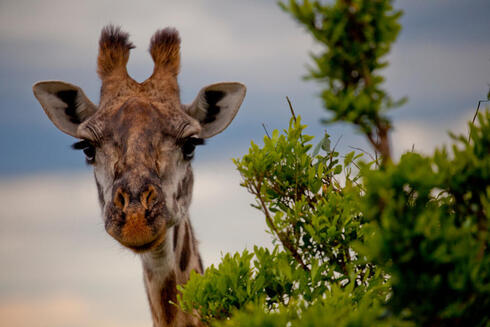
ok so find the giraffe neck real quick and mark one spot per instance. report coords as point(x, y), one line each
point(167, 266)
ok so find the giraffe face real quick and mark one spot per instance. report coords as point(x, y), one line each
point(141, 153)
point(140, 139)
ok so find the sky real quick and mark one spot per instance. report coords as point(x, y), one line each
point(59, 267)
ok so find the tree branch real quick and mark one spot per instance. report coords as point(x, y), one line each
point(285, 242)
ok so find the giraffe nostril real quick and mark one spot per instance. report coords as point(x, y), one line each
point(148, 196)
point(121, 199)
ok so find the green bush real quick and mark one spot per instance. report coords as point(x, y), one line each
point(313, 218)
point(357, 243)
point(430, 217)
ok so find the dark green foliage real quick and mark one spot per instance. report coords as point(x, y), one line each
point(355, 36)
point(430, 217)
point(357, 243)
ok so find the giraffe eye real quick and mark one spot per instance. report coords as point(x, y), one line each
point(89, 154)
point(189, 146)
point(87, 148)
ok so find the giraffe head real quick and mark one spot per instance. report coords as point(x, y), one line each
point(140, 139)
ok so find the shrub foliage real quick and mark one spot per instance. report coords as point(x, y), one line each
point(357, 241)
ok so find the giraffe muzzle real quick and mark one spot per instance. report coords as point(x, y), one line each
point(136, 219)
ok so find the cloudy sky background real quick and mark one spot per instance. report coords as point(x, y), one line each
point(59, 267)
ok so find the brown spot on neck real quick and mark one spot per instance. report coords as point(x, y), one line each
point(176, 235)
point(168, 297)
point(185, 253)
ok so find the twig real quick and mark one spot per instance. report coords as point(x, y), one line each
point(363, 151)
point(281, 237)
point(476, 114)
point(291, 107)
point(265, 129)
point(337, 143)
point(334, 147)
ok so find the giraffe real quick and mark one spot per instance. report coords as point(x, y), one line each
point(140, 141)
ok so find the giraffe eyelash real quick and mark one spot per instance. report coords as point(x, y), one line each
point(88, 149)
point(189, 145)
point(196, 140)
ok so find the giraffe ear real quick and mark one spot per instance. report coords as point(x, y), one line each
point(65, 104)
point(216, 105)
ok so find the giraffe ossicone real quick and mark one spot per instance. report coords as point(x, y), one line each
point(140, 141)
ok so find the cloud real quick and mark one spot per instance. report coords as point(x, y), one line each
point(217, 37)
point(425, 136)
point(62, 310)
point(52, 311)
point(430, 70)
